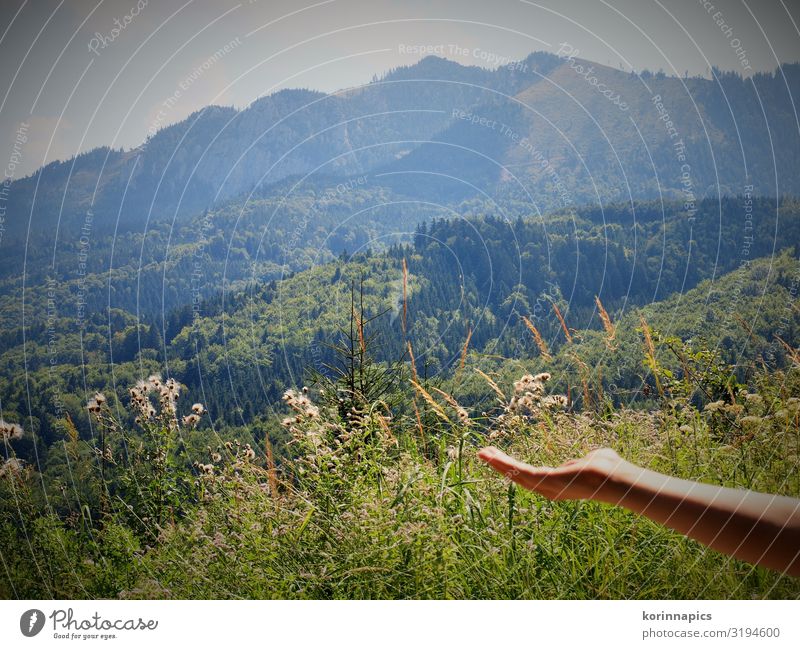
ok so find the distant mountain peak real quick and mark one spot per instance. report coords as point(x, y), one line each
point(287, 95)
point(435, 67)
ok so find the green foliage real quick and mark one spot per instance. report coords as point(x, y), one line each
point(359, 509)
point(370, 487)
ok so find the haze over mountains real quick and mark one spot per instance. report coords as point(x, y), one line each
point(543, 130)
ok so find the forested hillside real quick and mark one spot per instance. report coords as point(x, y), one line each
point(204, 486)
point(469, 284)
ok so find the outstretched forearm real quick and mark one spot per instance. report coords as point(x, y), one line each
point(755, 527)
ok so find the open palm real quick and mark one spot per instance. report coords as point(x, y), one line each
point(589, 477)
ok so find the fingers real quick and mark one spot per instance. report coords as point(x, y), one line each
point(519, 472)
point(498, 460)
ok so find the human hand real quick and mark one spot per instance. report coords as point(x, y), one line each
point(757, 527)
point(596, 476)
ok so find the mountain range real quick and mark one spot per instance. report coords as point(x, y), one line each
point(543, 130)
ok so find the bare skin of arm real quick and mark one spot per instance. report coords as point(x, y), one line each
point(756, 527)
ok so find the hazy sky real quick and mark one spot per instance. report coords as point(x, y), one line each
point(77, 83)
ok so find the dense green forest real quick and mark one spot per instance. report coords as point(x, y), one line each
point(473, 276)
point(376, 492)
point(209, 479)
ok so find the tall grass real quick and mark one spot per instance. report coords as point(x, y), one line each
point(378, 503)
point(398, 524)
